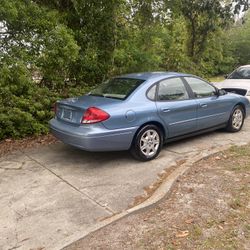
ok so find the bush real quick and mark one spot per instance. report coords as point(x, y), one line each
point(25, 108)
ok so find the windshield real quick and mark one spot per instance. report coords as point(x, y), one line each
point(118, 88)
point(240, 73)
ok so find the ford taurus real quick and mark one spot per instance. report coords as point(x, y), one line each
point(140, 112)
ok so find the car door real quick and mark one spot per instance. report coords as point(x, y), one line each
point(212, 109)
point(175, 107)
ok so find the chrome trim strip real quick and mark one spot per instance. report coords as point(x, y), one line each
point(198, 118)
point(185, 121)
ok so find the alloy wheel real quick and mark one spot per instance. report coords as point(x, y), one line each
point(149, 142)
point(237, 119)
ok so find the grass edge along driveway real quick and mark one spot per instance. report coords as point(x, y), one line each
point(208, 208)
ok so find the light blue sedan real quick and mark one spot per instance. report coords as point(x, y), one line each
point(140, 112)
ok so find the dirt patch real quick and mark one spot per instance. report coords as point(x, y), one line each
point(10, 145)
point(149, 190)
point(208, 208)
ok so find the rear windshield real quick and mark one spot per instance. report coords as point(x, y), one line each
point(117, 88)
point(240, 73)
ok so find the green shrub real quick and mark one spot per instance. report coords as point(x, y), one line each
point(25, 108)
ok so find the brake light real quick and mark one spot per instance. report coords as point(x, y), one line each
point(94, 115)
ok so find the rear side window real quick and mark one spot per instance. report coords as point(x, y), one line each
point(151, 93)
point(172, 89)
point(117, 88)
point(200, 88)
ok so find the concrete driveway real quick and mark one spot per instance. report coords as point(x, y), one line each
point(51, 193)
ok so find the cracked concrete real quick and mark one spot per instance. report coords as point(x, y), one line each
point(69, 184)
point(55, 194)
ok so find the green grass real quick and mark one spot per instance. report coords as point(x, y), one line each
point(216, 78)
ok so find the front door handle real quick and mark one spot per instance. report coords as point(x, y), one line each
point(203, 105)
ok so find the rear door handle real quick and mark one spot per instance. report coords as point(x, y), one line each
point(203, 105)
point(165, 110)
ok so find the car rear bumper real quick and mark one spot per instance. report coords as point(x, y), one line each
point(93, 137)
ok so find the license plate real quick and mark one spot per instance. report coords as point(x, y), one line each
point(67, 114)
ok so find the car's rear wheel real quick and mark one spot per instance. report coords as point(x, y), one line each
point(147, 143)
point(236, 120)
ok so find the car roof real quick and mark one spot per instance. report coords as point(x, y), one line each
point(151, 75)
point(244, 66)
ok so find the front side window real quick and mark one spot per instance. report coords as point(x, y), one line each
point(172, 89)
point(200, 88)
point(117, 88)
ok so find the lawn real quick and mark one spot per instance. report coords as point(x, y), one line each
point(217, 78)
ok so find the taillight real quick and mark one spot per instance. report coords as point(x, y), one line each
point(94, 115)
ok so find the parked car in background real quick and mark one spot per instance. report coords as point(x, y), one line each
point(140, 112)
point(237, 82)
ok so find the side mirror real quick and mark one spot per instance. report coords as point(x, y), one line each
point(220, 92)
point(226, 76)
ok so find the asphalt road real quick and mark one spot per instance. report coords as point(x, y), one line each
point(52, 193)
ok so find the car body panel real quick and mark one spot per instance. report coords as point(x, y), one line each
point(213, 111)
point(234, 83)
point(239, 85)
point(79, 105)
point(129, 115)
point(180, 117)
point(94, 137)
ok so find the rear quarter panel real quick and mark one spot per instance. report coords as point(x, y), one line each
point(135, 111)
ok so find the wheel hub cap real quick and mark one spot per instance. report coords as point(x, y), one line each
point(149, 143)
point(237, 119)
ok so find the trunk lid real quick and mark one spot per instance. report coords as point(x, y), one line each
point(71, 110)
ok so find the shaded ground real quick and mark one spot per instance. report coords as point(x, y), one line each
point(52, 195)
point(9, 145)
point(208, 208)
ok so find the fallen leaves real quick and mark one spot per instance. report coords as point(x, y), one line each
point(182, 234)
point(189, 221)
point(10, 145)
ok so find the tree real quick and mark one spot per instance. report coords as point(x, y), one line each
point(94, 24)
point(241, 6)
point(202, 19)
point(239, 38)
point(75, 44)
point(34, 36)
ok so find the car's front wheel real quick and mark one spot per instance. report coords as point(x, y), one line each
point(147, 143)
point(236, 120)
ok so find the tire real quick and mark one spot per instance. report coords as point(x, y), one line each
point(236, 119)
point(147, 143)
